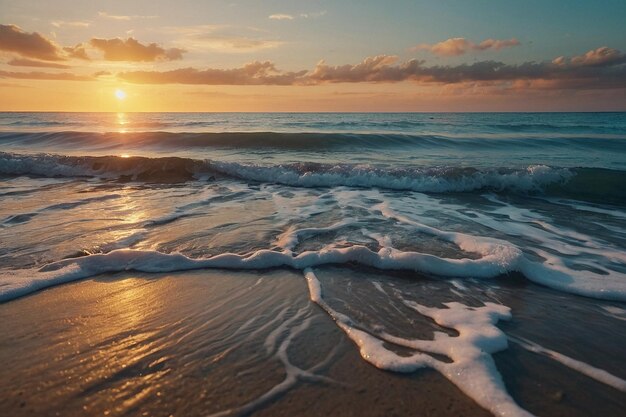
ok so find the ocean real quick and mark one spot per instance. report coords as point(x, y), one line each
point(488, 247)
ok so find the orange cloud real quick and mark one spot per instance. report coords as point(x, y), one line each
point(497, 44)
point(599, 57)
point(117, 49)
point(77, 51)
point(254, 73)
point(377, 68)
point(460, 46)
point(31, 45)
point(605, 73)
point(62, 76)
point(24, 62)
point(604, 69)
point(224, 43)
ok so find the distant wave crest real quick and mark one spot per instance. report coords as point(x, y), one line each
point(314, 141)
point(582, 183)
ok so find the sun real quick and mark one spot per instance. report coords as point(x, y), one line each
point(120, 94)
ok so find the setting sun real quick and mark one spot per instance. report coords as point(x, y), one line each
point(120, 94)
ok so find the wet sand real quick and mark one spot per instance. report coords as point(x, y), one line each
point(209, 341)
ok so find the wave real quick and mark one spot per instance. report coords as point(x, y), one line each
point(165, 169)
point(312, 141)
point(592, 184)
point(432, 179)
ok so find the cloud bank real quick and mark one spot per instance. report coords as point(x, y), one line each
point(254, 73)
point(25, 62)
point(30, 45)
point(600, 68)
point(63, 76)
point(461, 46)
point(117, 49)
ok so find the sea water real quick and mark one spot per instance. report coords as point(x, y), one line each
point(467, 200)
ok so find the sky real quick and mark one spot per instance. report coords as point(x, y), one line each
point(316, 55)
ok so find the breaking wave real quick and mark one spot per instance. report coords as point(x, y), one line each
point(583, 183)
point(578, 183)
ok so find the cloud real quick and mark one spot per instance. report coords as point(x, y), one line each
point(117, 49)
point(597, 57)
point(460, 46)
point(612, 74)
point(221, 38)
point(106, 15)
point(285, 16)
point(371, 69)
point(254, 73)
point(281, 16)
point(78, 52)
point(11, 85)
point(604, 69)
point(31, 45)
point(496, 44)
point(601, 68)
point(224, 43)
point(62, 76)
point(24, 62)
point(313, 15)
point(64, 23)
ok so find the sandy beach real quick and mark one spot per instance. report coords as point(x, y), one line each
point(206, 342)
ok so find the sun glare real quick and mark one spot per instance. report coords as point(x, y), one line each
point(120, 94)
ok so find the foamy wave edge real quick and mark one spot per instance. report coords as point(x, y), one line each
point(497, 259)
point(173, 169)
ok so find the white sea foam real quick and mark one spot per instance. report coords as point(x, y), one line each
point(434, 179)
point(496, 257)
point(472, 368)
point(290, 238)
point(553, 272)
point(428, 180)
point(16, 283)
point(598, 374)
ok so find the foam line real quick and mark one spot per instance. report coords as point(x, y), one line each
point(16, 283)
point(585, 369)
point(553, 272)
point(472, 368)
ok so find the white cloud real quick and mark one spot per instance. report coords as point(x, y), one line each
point(106, 15)
point(281, 16)
point(285, 16)
point(64, 23)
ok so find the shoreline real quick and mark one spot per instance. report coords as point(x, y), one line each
point(113, 343)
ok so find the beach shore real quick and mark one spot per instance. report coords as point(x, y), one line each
point(210, 341)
